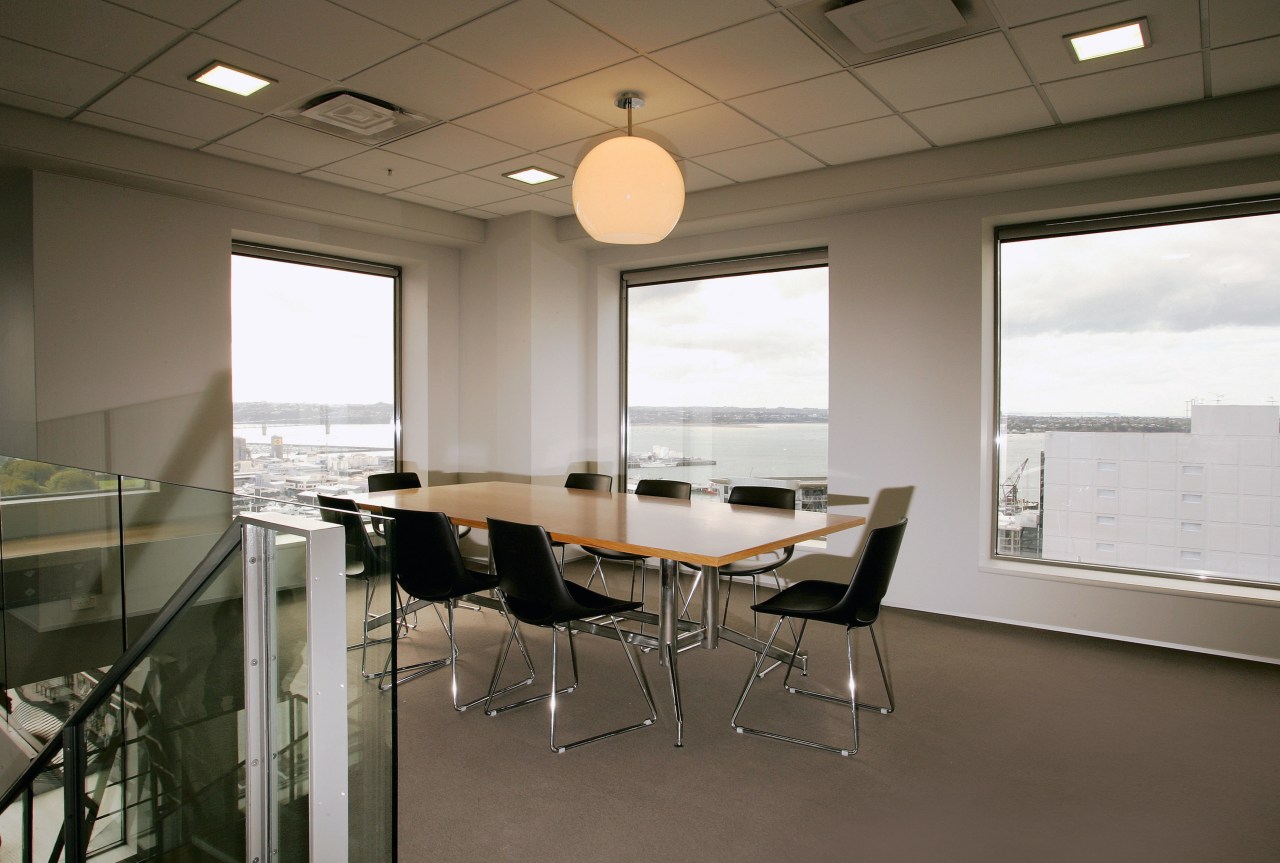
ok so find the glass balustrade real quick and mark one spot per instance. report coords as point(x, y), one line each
point(229, 725)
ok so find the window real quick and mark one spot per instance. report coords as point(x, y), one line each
point(1138, 376)
point(726, 374)
point(313, 374)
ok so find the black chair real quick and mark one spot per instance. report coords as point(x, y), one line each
point(753, 567)
point(855, 605)
point(394, 480)
point(585, 482)
point(428, 566)
point(532, 590)
point(366, 559)
point(669, 488)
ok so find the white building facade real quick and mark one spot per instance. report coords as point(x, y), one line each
point(1203, 503)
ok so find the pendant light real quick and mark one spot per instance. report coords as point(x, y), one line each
point(628, 190)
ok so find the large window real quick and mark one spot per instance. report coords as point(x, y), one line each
point(313, 374)
point(726, 374)
point(1139, 371)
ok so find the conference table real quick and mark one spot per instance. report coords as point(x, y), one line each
point(703, 533)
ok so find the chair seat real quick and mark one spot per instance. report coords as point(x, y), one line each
point(756, 565)
point(610, 554)
point(464, 582)
point(810, 600)
point(586, 603)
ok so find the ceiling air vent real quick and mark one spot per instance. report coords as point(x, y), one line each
point(876, 25)
point(358, 118)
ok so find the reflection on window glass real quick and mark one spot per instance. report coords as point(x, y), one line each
point(727, 382)
point(1139, 377)
point(313, 379)
point(21, 478)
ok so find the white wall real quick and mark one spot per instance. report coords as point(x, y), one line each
point(132, 328)
point(526, 354)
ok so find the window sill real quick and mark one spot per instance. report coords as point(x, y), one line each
point(1133, 581)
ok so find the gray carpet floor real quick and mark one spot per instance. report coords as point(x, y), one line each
point(1008, 744)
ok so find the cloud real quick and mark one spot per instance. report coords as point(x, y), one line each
point(750, 340)
point(1174, 278)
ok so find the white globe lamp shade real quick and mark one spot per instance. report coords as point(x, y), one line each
point(628, 190)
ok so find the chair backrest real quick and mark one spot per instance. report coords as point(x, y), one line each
point(528, 574)
point(394, 480)
point(889, 508)
point(589, 481)
point(861, 603)
point(672, 488)
point(763, 495)
point(775, 497)
point(361, 557)
point(428, 562)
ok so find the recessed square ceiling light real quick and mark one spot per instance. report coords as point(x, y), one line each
point(533, 176)
point(1106, 41)
point(231, 79)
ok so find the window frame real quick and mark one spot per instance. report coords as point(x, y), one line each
point(742, 265)
point(1048, 229)
point(335, 262)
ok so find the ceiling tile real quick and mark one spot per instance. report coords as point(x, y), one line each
point(1232, 21)
point(343, 180)
point(536, 203)
point(465, 190)
point(653, 24)
point(115, 124)
point(871, 139)
point(949, 73)
point(564, 195)
point(281, 139)
point(387, 169)
point(173, 110)
point(1251, 66)
point(697, 178)
point(453, 147)
point(537, 160)
point(313, 35)
point(534, 43)
point(406, 195)
point(820, 103)
point(184, 13)
point(705, 130)
point(575, 152)
point(1018, 12)
point(51, 77)
point(175, 67)
point(770, 159)
point(533, 122)
point(431, 82)
point(1175, 30)
point(597, 93)
point(78, 27)
point(1133, 88)
point(421, 19)
point(254, 158)
point(758, 55)
point(39, 106)
point(984, 117)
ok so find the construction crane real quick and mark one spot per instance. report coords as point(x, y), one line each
point(1010, 502)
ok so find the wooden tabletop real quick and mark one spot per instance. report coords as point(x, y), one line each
point(700, 532)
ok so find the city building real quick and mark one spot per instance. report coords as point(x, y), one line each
point(1200, 502)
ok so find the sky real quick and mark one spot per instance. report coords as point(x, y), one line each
point(1142, 322)
point(310, 334)
point(743, 341)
